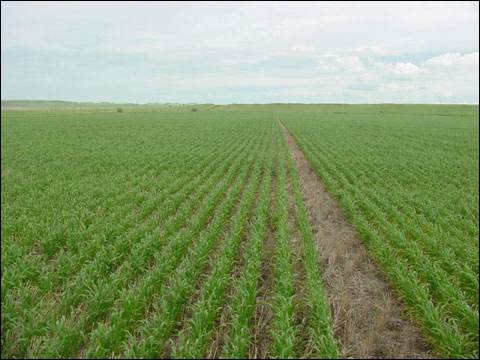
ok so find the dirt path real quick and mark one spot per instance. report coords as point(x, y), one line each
point(368, 320)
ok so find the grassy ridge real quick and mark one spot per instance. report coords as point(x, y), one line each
point(57, 105)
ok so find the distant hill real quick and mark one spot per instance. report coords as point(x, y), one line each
point(418, 109)
point(52, 105)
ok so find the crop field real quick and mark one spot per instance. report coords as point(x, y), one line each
point(409, 185)
point(162, 232)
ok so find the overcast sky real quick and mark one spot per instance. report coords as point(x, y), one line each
point(241, 52)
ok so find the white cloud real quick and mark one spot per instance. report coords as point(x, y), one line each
point(350, 63)
point(405, 69)
point(350, 51)
point(303, 49)
point(454, 59)
point(300, 92)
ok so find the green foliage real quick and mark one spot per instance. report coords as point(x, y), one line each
point(142, 235)
point(409, 184)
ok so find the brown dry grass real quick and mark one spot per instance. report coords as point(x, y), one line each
point(368, 319)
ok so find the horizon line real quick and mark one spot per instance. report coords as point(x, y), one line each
point(241, 103)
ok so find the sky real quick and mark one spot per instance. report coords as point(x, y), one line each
point(241, 52)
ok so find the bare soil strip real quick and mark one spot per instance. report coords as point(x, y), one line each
point(368, 319)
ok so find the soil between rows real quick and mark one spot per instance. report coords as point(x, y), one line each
point(368, 319)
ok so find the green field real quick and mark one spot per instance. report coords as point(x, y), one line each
point(162, 232)
point(408, 181)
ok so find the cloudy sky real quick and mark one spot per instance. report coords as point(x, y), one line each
point(241, 52)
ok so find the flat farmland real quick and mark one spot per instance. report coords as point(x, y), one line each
point(241, 231)
point(407, 179)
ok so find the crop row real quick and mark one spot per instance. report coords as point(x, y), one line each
point(428, 249)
